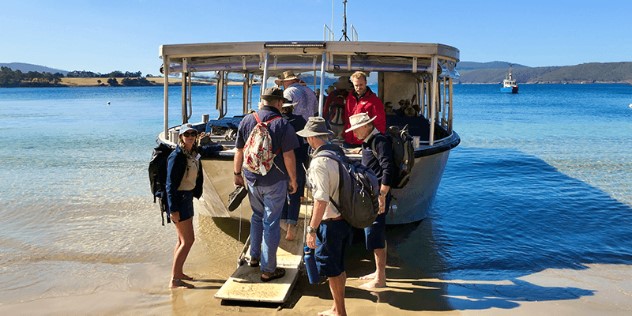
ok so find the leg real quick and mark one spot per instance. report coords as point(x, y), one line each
point(377, 278)
point(337, 288)
point(273, 198)
point(375, 236)
point(186, 237)
point(256, 221)
point(331, 244)
point(294, 204)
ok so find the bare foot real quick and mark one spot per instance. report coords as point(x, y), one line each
point(177, 283)
point(368, 276)
point(328, 312)
point(184, 277)
point(373, 284)
point(291, 232)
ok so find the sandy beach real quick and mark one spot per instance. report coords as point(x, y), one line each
point(595, 290)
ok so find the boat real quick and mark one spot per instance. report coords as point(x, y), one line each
point(509, 83)
point(415, 75)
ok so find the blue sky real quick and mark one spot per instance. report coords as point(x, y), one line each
point(103, 36)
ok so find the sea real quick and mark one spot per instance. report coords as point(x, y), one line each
point(541, 180)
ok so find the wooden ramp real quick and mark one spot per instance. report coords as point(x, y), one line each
point(245, 283)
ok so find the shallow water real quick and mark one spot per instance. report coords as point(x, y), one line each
point(541, 180)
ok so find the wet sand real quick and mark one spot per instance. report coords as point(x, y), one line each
point(596, 290)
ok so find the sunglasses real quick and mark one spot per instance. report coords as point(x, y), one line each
point(189, 134)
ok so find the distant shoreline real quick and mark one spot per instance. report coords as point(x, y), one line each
point(155, 81)
point(103, 82)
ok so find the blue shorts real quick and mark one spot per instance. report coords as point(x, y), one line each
point(375, 235)
point(186, 210)
point(331, 244)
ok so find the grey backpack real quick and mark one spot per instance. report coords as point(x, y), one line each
point(358, 190)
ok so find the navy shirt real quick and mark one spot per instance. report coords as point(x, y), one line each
point(283, 137)
point(377, 154)
point(298, 123)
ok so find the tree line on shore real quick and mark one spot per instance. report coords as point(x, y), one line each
point(17, 78)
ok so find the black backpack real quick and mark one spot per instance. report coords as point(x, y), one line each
point(358, 190)
point(403, 154)
point(158, 177)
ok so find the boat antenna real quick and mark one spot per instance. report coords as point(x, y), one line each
point(344, 21)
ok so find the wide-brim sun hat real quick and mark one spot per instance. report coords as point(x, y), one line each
point(186, 127)
point(274, 93)
point(315, 126)
point(286, 76)
point(359, 120)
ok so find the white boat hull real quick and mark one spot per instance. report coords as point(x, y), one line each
point(410, 204)
point(413, 202)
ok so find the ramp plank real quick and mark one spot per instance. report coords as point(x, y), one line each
point(245, 283)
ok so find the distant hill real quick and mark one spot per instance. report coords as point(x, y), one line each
point(24, 67)
point(471, 65)
point(495, 72)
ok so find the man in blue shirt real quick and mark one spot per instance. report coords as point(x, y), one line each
point(303, 98)
point(267, 193)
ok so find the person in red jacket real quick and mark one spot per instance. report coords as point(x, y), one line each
point(363, 100)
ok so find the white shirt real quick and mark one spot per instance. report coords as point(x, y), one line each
point(324, 179)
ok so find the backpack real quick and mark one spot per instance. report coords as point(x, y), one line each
point(336, 111)
point(158, 177)
point(403, 154)
point(358, 190)
point(258, 155)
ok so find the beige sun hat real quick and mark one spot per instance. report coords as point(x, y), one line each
point(285, 76)
point(359, 120)
point(315, 126)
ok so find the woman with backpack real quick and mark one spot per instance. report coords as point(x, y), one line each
point(184, 181)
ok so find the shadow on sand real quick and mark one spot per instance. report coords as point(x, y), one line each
point(499, 217)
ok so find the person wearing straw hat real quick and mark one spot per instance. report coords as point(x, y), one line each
point(377, 154)
point(327, 232)
point(267, 193)
point(363, 100)
point(289, 215)
point(303, 98)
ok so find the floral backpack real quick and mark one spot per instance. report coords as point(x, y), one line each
point(258, 154)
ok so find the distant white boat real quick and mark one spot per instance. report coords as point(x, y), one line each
point(630, 105)
point(509, 84)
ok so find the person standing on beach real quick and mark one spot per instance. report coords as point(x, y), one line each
point(267, 193)
point(363, 100)
point(291, 209)
point(327, 232)
point(184, 181)
point(377, 154)
point(303, 98)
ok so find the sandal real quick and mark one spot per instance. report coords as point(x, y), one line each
point(178, 283)
point(253, 262)
point(269, 276)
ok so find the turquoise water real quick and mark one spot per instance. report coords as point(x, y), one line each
point(541, 179)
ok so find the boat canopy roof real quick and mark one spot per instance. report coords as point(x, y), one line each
point(339, 56)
